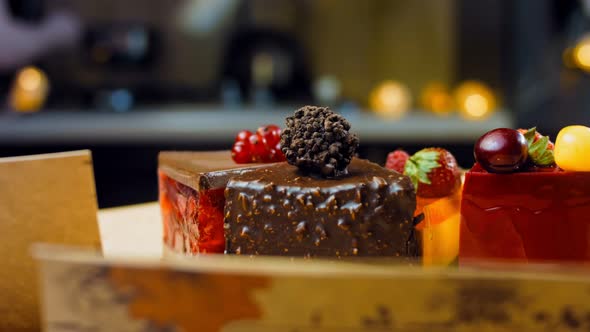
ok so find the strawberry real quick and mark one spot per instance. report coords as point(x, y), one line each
point(396, 160)
point(540, 147)
point(434, 172)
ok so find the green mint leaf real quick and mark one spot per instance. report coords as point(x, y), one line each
point(530, 135)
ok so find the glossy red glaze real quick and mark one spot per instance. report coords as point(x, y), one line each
point(193, 220)
point(529, 216)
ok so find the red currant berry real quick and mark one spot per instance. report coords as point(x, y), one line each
point(279, 156)
point(259, 150)
point(270, 133)
point(268, 156)
point(243, 136)
point(241, 153)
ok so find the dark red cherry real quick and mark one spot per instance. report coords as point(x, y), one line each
point(501, 150)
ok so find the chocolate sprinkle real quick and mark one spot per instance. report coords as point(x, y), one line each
point(318, 141)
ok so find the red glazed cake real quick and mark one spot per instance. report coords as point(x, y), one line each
point(525, 216)
point(518, 204)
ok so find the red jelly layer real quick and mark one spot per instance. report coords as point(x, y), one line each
point(193, 220)
point(532, 216)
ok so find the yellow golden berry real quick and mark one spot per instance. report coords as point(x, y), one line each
point(572, 149)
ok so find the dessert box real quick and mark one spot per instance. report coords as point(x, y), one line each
point(83, 291)
point(43, 198)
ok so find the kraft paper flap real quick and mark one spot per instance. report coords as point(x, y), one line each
point(86, 292)
point(43, 198)
point(134, 231)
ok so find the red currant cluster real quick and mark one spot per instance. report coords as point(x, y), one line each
point(261, 147)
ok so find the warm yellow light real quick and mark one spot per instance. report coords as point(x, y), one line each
point(436, 98)
point(390, 99)
point(29, 91)
point(29, 78)
point(582, 54)
point(476, 105)
point(475, 100)
point(568, 58)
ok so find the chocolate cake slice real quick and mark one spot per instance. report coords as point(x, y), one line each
point(278, 210)
point(321, 202)
point(191, 186)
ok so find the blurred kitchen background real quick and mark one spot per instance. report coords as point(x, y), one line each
point(127, 79)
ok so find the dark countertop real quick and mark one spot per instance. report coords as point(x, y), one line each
point(187, 125)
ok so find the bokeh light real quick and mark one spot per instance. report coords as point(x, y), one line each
point(436, 98)
point(29, 78)
point(29, 90)
point(262, 69)
point(568, 58)
point(581, 54)
point(327, 90)
point(475, 100)
point(390, 99)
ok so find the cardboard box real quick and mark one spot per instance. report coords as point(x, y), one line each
point(83, 291)
point(43, 198)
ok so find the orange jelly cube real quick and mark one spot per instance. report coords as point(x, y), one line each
point(440, 228)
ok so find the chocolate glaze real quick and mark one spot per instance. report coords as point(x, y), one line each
point(276, 210)
point(201, 170)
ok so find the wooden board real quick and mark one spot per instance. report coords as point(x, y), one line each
point(85, 292)
point(44, 198)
